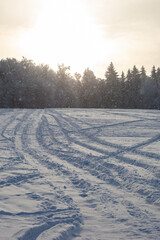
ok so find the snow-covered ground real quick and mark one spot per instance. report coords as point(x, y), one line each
point(79, 174)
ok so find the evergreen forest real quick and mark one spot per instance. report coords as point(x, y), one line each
point(23, 84)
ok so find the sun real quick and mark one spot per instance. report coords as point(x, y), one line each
point(64, 33)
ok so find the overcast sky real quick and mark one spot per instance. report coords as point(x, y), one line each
point(128, 32)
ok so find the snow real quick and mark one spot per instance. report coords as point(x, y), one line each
point(79, 174)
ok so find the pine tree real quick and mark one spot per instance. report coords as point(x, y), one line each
point(122, 91)
point(136, 87)
point(143, 74)
point(112, 87)
point(128, 102)
point(158, 87)
point(143, 79)
point(154, 76)
point(158, 77)
point(89, 89)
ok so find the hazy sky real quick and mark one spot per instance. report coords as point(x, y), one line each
point(82, 33)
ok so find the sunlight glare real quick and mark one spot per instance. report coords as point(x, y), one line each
point(64, 33)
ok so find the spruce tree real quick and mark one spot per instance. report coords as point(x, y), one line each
point(128, 101)
point(154, 76)
point(122, 91)
point(143, 79)
point(112, 87)
point(89, 89)
point(135, 87)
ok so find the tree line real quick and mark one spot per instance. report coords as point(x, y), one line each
point(23, 84)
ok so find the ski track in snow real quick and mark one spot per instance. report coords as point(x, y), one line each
point(79, 174)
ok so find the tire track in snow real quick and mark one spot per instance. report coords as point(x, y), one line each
point(76, 157)
point(18, 130)
point(71, 217)
point(8, 125)
point(131, 179)
point(66, 182)
point(120, 148)
point(85, 205)
point(77, 184)
point(91, 166)
point(101, 167)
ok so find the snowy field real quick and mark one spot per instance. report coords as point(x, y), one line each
point(80, 174)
